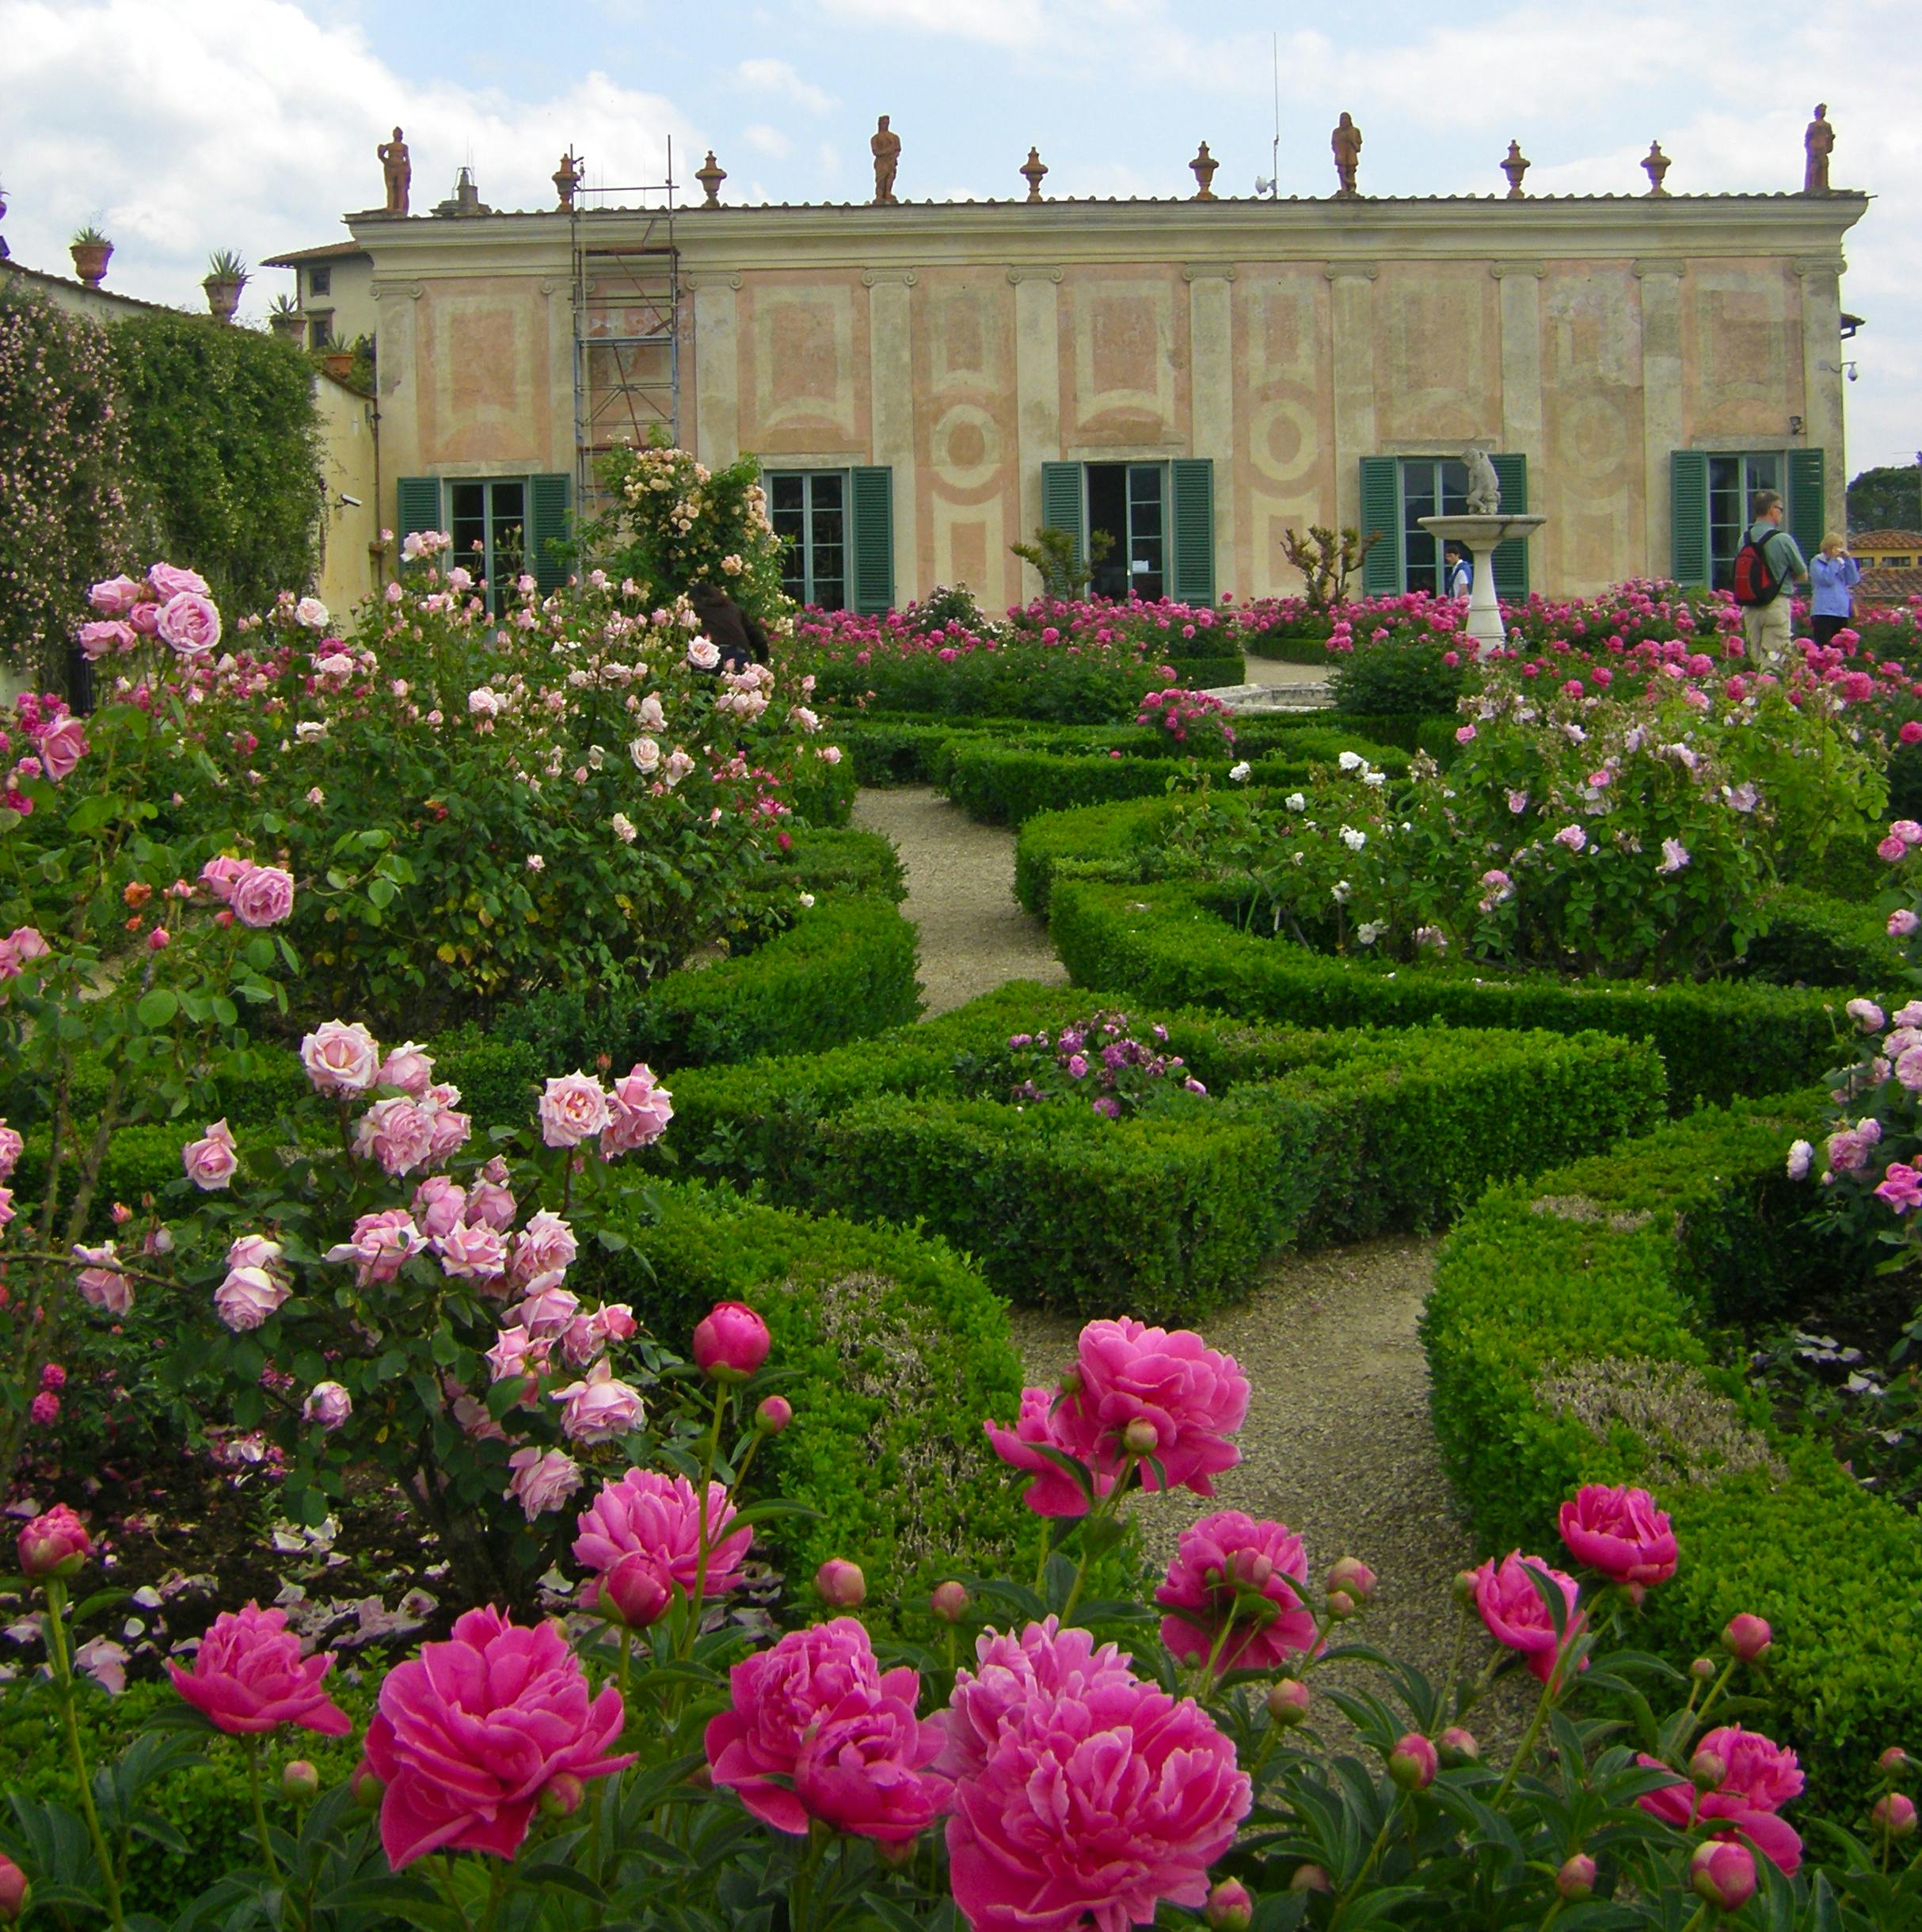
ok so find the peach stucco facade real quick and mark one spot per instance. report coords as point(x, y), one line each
point(962, 346)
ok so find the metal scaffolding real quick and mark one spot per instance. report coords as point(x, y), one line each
point(627, 323)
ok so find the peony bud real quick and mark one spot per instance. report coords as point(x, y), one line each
point(1894, 1813)
point(299, 1780)
point(1702, 1670)
point(949, 1601)
point(1352, 1577)
point(13, 1890)
point(772, 1414)
point(1311, 1878)
point(1707, 1770)
point(1723, 1872)
point(1576, 1879)
point(1747, 1636)
point(1229, 1906)
point(1411, 1764)
point(369, 1786)
point(841, 1584)
point(1894, 1763)
point(731, 1342)
point(1342, 1605)
point(561, 1795)
point(1464, 1588)
point(54, 1545)
point(1140, 1438)
point(1287, 1702)
point(1460, 1746)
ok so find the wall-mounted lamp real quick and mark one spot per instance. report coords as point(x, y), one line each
point(1838, 368)
point(1794, 425)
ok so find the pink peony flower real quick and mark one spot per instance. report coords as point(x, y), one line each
point(396, 1133)
point(340, 1058)
point(190, 623)
point(1514, 1614)
point(475, 1254)
point(639, 1109)
point(641, 1537)
point(1762, 1776)
point(1224, 1553)
point(54, 1544)
point(573, 1109)
point(249, 1677)
point(328, 1405)
point(816, 1713)
point(263, 896)
point(1191, 1397)
point(1620, 1532)
point(1083, 1797)
point(1046, 1423)
point(468, 1735)
point(730, 1341)
point(381, 1243)
point(542, 1479)
point(210, 1162)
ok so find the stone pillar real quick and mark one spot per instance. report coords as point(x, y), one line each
point(1521, 367)
point(1663, 427)
point(1211, 390)
point(1037, 388)
point(1352, 321)
point(716, 370)
point(891, 414)
point(1821, 379)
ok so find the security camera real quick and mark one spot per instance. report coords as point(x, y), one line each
point(352, 503)
point(1851, 371)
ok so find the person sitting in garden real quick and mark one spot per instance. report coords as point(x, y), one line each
point(738, 636)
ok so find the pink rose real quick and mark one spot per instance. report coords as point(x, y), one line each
point(396, 1133)
point(573, 1109)
point(247, 1297)
point(381, 1243)
point(542, 1479)
point(145, 618)
point(470, 1734)
point(114, 597)
point(328, 1405)
point(54, 1544)
point(816, 1713)
point(475, 1254)
point(211, 1161)
point(598, 1407)
point(190, 623)
point(490, 1202)
point(252, 1251)
point(102, 1283)
point(1190, 1397)
point(1218, 1556)
point(1514, 1614)
point(1082, 1795)
point(1761, 1777)
point(250, 1677)
point(449, 1130)
point(11, 1146)
point(263, 896)
point(340, 1057)
point(641, 1539)
point(514, 1352)
point(548, 1310)
point(440, 1204)
point(639, 1109)
point(220, 876)
point(410, 1068)
point(546, 1246)
point(28, 944)
point(1620, 1532)
point(104, 638)
point(63, 746)
point(730, 1341)
point(168, 580)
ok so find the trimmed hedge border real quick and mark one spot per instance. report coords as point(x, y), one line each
point(1311, 1137)
point(1166, 944)
point(1606, 1274)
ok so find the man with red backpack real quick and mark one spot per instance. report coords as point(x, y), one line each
point(1767, 563)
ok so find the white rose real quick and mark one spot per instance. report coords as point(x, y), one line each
point(645, 752)
point(312, 613)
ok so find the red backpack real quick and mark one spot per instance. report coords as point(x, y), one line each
point(1756, 584)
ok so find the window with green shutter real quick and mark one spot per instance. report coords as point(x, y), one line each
point(1711, 505)
point(1381, 517)
point(416, 506)
point(1064, 503)
point(871, 542)
point(549, 497)
point(1688, 518)
point(1807, 516)
point(837, 528)
point(1192, 485)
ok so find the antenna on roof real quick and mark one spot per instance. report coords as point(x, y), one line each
point(1274, 157)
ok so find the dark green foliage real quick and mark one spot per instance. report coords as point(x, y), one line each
point(1162, 1214)
point(1397, 676)
point(1815, 941)
point(898, 1349)
point(1888, 497)
point(225, 442)
point(1167, 944)
point(1625, 1260)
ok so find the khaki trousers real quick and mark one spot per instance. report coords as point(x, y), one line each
point(1767, 628)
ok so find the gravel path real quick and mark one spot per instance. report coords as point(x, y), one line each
point(961, 896)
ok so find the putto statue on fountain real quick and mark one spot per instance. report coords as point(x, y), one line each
point(1484, 486)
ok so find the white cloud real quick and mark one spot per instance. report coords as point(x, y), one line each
point(767, 140)
point(1000, 23)
point(776, 77)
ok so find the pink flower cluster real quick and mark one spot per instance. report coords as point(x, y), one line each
point(1757, 1777)
point(642, 1537)
point(169, 604)
point(632, 1112)
point(57, 742)
point(257, 895)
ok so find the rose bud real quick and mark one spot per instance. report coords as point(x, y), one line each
point(1352, 1577)
point(1229, 1907)
point(1747, 1636)
point(159, 939)
point(841, 1584)
point(1895, 1814)
point(1723, 1873)
point(299, 1779)
point(1576, 1879)
point(1411, 1764)
point(949, 1601)
point(730, 1341)
point(1460, 1746)
point(1311, 1878)
point(54, 1545)
point(1287, 1702)
point(772, 1414)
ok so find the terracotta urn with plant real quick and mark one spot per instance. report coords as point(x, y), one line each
point(90, 250)
point(226, 275)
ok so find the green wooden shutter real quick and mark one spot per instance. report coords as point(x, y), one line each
point(416, 507)
point(1064, 496)
point(548, 498)
point(1381, 510)
point(1191, 481)
point(1511, 558)
point(870, 541)
point(1807, 512)
point(1688, 518)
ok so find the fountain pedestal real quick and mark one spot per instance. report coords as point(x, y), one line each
point(1478, 535)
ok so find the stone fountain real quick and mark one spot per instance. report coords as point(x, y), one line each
point(1483, 526)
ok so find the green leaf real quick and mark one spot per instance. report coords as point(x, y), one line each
point(157, 1008)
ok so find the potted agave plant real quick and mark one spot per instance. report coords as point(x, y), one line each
point(226, 274)
point(286, 321)
point(336, 358)
point(90, 250)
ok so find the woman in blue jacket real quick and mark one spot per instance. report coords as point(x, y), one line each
point(1833, 575)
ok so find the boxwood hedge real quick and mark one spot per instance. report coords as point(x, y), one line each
point(1308, 1136)
point(1569, 1340)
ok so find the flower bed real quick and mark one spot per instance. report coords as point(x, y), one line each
point(1302, 1136)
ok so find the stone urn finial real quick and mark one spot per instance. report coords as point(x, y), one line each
point(711, 174)
point(1515, 165)
point(1656, 165)
point(1204, 164)
point(91, 251)
point(1034, 168)
point(226, 275)
point(567, 178)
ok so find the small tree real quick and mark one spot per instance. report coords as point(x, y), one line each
point(1062, 574)
point(1328, 562)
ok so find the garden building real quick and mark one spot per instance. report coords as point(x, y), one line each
point(925, 383)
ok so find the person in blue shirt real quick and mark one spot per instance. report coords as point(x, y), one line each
point(1834, 575)
point(1461, 571)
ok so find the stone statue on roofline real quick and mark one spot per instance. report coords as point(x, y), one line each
point(1818, 144)
point(887, 148)
point(1346, 142)
point(1484, 486)
point(399, 171)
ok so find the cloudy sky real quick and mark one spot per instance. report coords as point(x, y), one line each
point(182, 126)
